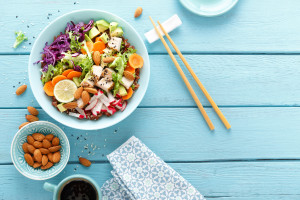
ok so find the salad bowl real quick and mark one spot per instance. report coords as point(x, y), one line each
point(54, 29)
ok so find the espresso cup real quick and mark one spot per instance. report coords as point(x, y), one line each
point(58, 190)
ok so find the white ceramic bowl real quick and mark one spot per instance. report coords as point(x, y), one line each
point(54, 29)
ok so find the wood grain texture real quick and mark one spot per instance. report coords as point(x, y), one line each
point(231, 80)
point(252, 26)
point(230, 181)
point(180, 134)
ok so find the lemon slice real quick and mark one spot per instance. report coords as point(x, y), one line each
point(64, 90)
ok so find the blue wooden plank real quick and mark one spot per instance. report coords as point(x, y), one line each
point(252, 26)
point(219, 181)
point(180, 134)
point(240, 80)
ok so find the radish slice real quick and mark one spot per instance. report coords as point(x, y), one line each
point(97, 109)
point(92, 105)
point(74, 114)
point(81, 112)
point(104, 108)
point(95, 97)
point(111, 110)
point(118, 96)
point(124, 106)
point(105, 100)
point(111, 97)
point(80, 103)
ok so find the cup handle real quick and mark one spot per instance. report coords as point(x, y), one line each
point(49, 187)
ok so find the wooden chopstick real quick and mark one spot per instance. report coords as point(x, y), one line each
point(211, 101)
point(188, 85)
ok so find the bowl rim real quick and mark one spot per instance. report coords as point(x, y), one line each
point(111, 122)
point(56, 172)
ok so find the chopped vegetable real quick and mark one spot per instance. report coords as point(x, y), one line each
point(73, 74)
point(130, 69)
point(66, 72)
point(58, 78)
point(20, 37)
point(89, 46)
point(129, 94)
point(99, 46)
point(49, 88)
point(136, 61)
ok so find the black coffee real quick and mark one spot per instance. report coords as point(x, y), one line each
point(78, 190)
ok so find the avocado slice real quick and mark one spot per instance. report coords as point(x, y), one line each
point(118, 32)
point(112, 26)
point(122, 91)
point(102, 25)
point(93, 33)
point(61, 107)
point(104, 37)
point(87, 38)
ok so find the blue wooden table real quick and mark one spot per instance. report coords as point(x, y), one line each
point(248, 59)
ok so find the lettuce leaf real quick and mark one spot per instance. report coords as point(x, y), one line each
point(20, 38)
point(117, 79)
point(75, 44)
point(86, 65)
point(52, 71)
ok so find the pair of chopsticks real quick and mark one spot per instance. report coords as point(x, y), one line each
point(188, 85)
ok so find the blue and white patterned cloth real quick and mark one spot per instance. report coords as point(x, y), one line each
point(141, 175)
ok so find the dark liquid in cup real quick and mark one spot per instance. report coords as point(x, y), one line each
point(78, 190)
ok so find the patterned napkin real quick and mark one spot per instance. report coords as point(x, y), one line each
point(141, 175)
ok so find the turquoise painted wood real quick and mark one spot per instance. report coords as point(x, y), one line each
point(247, 59)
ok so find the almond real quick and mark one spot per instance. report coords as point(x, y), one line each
point(28, 159)
point(30, 139)
point(21, 89)
point(37, 144)
point(49, 164)
point(55, 141)
point(108, 59)
point(97, 57)
point(36, 165)
point(50, 157)
point(49, 137)
point(37, 155)
point(78, 92)
point(44, 160)
point(138, 12)
point(38, 137)
point(31, 118)
point(46, 144)
point(54, 149)
point(25, 147)
point(85, 162)
point(56, 157)
point(128, 75)
point(70, 105)
point(32, 110)
point(85, 97)
point(90, 90)
point(24, 124)
point(44, 151)
point(30, 148)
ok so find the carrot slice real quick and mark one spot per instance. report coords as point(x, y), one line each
point(73, 74)
point(66, 72)
point(98, 39)
point(136, 61)
point(130, 69)
point(49, 88)
point(99, 46)
point(129, 94)
point(58, 78)
point(89, 46)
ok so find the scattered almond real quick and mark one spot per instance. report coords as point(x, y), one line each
point(49, 164)
point(85, 162)
point(37, 155)
point(37, 144)
point(55, 141)
point(70, 105)
point(138, 12)
point(78, 92)
point(128, 75)
point(46, 144)
point(38, 137)
point(108, 59)
point(28, 159)
point(44, 151)
point(21, 89)
point(56, 157)
point(50, 157)
point(54, 148)
point(30, 139)
point(24, 124)
point(49, 137)
point(30, 148)
point(25, 147)
point(36, 165)
point(90, 90)
point(44, 160)
point(32, 118)
point(32, 110)
point(97, 57)
point(85, 97)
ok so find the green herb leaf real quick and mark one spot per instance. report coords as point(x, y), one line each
point(20, 38)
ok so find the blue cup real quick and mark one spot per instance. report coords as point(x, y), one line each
point(57, 189)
